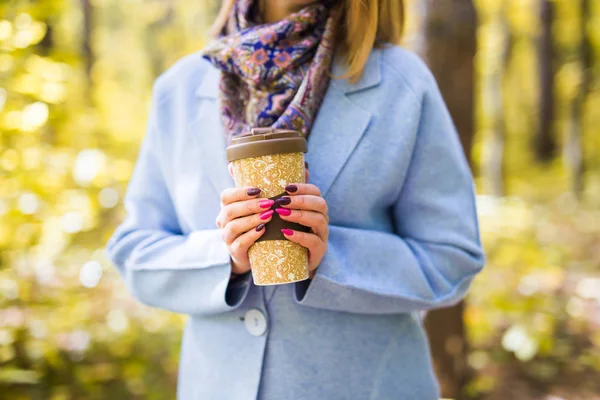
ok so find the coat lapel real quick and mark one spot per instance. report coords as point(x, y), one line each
point(340, 124)
point(211, 144)
point(338, 128)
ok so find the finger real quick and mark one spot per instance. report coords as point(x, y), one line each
point(230, 169)
point(303, 202)
point(311, 241)
point(314, 220)
point(243, 242)
point(296, 189)
point(242, 209)
point(238, 227)
point(232, 195)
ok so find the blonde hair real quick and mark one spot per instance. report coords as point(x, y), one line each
point(366, 24)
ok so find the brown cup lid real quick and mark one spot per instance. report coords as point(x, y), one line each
point(266, 141)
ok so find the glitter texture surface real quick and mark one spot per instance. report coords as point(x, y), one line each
point(269, 173)
point(278, 261)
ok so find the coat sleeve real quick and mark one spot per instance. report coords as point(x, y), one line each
point(184, 273)
point(435, 251)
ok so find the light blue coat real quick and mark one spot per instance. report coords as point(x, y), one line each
point(403, 238)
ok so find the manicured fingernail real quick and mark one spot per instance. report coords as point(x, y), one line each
point(291, 188)
point(260, 227)
point(253, 192)
point(266, 215)
point(283, 201)
point(283, 211)
point(266, 203)
point(305, 165)
point(287, 232)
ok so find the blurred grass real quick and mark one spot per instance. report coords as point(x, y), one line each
point(535, 309)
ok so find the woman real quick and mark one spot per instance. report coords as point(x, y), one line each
point(390, 204)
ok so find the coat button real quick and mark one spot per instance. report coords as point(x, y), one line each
point(256, 322)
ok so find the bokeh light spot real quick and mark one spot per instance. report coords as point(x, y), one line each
point(90, 274)
point(108, 197)
point(28, 203)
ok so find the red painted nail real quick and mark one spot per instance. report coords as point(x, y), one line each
point(266, 203)
point(287, 232)
point(283, 211)
point(266, 215)
point(260, 227)
point(291, 188)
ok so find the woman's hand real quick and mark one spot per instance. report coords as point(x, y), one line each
point(305, 206)
point(242, 221)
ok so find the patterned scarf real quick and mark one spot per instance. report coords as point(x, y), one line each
point(276, 74)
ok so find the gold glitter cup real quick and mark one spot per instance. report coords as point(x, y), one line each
point(269, 159)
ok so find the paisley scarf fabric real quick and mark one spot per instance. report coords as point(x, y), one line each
point(276, 74)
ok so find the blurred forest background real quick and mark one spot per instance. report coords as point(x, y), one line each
point(522, 80)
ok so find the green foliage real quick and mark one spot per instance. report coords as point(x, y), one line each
point(536, 306)
point(68, 327)
point(68, 142)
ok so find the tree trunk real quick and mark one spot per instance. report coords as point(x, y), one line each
point(544, 141)
point(493, 103)
point(47, 43)
point(449, 45)
point(86, 46)
point(157, 60)
point(573, 144)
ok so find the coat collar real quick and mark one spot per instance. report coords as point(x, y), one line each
point(337, 130)
point(371, 77)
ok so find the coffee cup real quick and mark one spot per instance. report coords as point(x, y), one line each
point(270, 159)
